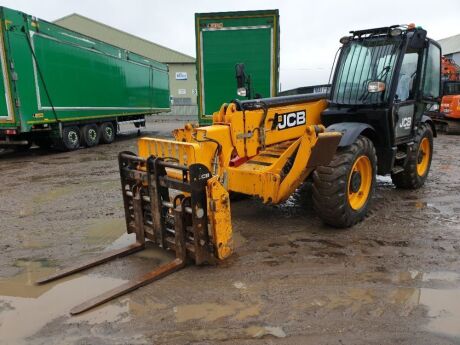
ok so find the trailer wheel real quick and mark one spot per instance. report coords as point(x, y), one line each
point(343, 190)
point(70, 138)
point(90, 135)
point(418, 161)
point(107, 133)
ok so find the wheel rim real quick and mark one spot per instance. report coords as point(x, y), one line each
point(73, 137)
point(423, 159)
point(359, 182)
point(92, 134)
point(108, 132)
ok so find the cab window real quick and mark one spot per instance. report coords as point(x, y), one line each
point(431, 82)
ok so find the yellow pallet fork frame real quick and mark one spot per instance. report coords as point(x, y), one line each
point(176, 192)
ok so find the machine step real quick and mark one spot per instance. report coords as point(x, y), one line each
point(400, 155)
point(397, 169)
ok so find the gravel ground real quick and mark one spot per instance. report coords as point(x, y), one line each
point(392, 279)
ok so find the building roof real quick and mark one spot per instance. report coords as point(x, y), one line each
point(106, 33)
point(450, 45)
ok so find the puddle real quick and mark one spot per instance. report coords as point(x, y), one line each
point(119, 312)
point(443, 304)
point(443, 276)
point(103, 231)
point(443, 310)
point(214, 311)
point(22, 284)
point(155, 254)
point(22, 317)
point(53, 194)
point(260, 332)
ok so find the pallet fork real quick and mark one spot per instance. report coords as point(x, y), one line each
point(180, 225)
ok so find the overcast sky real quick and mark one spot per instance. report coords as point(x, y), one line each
point(310, 30)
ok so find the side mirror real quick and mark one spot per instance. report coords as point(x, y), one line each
point(241, 80)
point(418, 39)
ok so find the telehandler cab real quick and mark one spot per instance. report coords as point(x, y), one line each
point(176, 192)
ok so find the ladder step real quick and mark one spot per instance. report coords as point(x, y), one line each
point(401, 155)
point(397, 169)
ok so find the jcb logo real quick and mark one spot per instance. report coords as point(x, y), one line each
point(406, 123)
point(289, 120)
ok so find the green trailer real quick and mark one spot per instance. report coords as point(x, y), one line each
point(66, 89)
point(226, 39)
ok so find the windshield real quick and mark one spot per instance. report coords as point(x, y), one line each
point(362, 62)
point(452, 88)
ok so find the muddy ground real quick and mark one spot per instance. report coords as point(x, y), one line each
point(393, 279)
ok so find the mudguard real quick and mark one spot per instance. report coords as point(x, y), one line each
point(350, 131)
point(429, 121)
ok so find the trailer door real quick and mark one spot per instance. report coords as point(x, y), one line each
point(6, 111)
point(221, 49)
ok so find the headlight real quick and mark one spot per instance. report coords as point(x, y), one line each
point(241, 92)
point(375, 86)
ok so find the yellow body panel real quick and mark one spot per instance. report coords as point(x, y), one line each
point(264, 153)
point(219, 215)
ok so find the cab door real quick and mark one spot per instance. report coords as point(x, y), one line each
point(405, 106)
point(418, 87)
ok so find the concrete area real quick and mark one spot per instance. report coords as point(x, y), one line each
point(393, 279)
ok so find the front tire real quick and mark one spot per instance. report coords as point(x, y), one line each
point(343, 190)
point(418, 161)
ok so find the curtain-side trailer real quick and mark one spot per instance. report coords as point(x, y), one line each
point(225, 39)
point(62, 88)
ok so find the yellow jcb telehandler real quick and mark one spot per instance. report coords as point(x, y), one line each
point(176, 193)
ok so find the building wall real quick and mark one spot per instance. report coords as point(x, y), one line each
point(183, 88)
point(182, 82)
point(455, 57)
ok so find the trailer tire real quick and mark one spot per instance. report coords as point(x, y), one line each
point(90, 135)
point(418, 161)
point(107, 132)
point(343, 190)
point(70, 138)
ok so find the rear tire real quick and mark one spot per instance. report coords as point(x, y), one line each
point(90, 135)
point(107, 132)
point(343, 190)
point(418, 161)
point(70, 138)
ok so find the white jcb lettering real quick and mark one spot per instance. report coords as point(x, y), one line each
point(301, 118)
point(406, 123)
point(282, 123)
point(290, 120)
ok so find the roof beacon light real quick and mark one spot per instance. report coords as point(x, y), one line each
point(345, 39)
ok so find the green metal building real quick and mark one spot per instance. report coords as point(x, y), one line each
point(182, 68)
